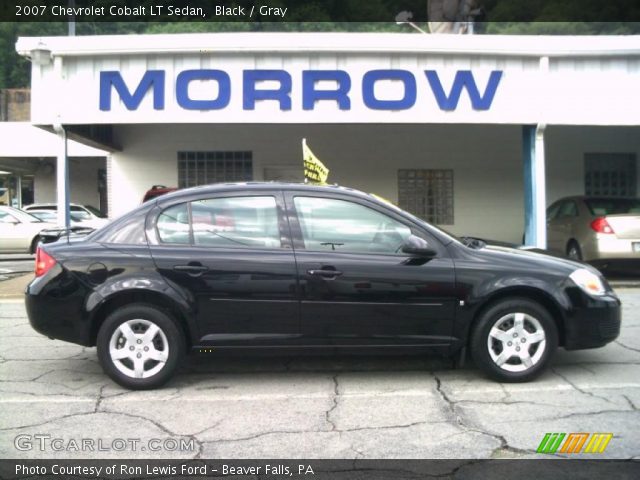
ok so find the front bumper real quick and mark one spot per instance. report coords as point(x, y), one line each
point(592, 322)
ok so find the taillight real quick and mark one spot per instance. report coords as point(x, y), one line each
point(601, 225)
point(44, 262)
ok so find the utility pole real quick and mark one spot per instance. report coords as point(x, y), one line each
point(72, 20)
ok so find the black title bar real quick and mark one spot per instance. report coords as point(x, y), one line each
point(318, 11)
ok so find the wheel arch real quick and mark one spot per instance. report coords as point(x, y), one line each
point(148, 297)
point(530, 293)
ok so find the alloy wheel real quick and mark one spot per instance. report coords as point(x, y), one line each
point(139, 348)
point(516, 342)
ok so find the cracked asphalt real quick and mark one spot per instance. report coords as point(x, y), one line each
point(311, 407)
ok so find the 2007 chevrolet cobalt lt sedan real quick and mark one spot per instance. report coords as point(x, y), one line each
point(307, 268)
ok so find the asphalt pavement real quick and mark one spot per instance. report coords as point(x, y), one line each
point(57, 403)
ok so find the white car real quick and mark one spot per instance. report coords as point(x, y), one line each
point(19, 231)
point(82, 215)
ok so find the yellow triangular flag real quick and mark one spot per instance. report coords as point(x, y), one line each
point(314, 169)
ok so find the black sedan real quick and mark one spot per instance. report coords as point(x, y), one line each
point(307, 268)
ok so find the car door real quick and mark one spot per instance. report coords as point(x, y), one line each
point(15, 236)
point(356, 287)
point(561, 227)
point(553, 235)
point(231, 256)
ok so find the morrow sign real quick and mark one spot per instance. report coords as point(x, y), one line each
point(254, 90)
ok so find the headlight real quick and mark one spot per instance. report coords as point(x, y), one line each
point(588, 281)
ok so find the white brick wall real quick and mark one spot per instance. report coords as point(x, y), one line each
point(487, 161)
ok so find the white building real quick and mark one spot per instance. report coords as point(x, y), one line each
point(474, 133)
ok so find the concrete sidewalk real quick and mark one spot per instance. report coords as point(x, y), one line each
point(14, 287)
point(12, 257)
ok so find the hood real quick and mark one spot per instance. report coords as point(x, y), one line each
point(535, 259)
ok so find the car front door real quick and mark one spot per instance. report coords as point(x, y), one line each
point(356, 286)
point(231, 254)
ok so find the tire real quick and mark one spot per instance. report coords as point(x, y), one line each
point(487, 348)
point(573, 251)
point(144, 363)
point(34, 244)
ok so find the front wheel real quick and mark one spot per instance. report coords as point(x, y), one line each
point(140, 346)
point(513, 340)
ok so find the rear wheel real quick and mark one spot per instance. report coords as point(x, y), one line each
point(573, 251)
point(513, 340)
point(140, 346)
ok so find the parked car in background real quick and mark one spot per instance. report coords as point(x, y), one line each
point(84, 215)
point(602, 231)
point(306, 268)
point(156, 191)
point(19, 231)
point(51, 216)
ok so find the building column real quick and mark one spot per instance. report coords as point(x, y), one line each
point(19, 190)
point(535, 222)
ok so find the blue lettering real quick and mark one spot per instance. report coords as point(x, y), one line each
point(372, 76)
point(464, 79)
point(151, 79)
point(251, 94)
point(182, 89)
point(310, 95)
point(154, 81)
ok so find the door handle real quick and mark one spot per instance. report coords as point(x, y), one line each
point(324, 273)
point(191, 269)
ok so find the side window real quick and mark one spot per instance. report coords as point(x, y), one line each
point(552, 211)
point(173, 225)
point(568, 209)
point(236, 222)
point(129, 232)
point(339, 225)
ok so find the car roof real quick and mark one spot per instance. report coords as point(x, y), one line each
point(258, 186)
point(51, 204)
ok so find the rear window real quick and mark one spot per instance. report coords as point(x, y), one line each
point(222, 222)
point(129, 231)
point(613, 206)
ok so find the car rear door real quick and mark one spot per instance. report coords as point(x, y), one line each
point(230, 254)
point(355, 287)
point(561, 217)
point(15, 235)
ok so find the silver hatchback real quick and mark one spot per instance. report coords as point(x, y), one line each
point(602, 231)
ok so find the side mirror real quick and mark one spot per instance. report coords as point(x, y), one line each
point(417, 247)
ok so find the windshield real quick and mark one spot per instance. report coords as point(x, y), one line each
point(95, 211)
point(418, 219)
point(20, 215)
point(613, 206)
point(79, 215)
point(45, 216)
